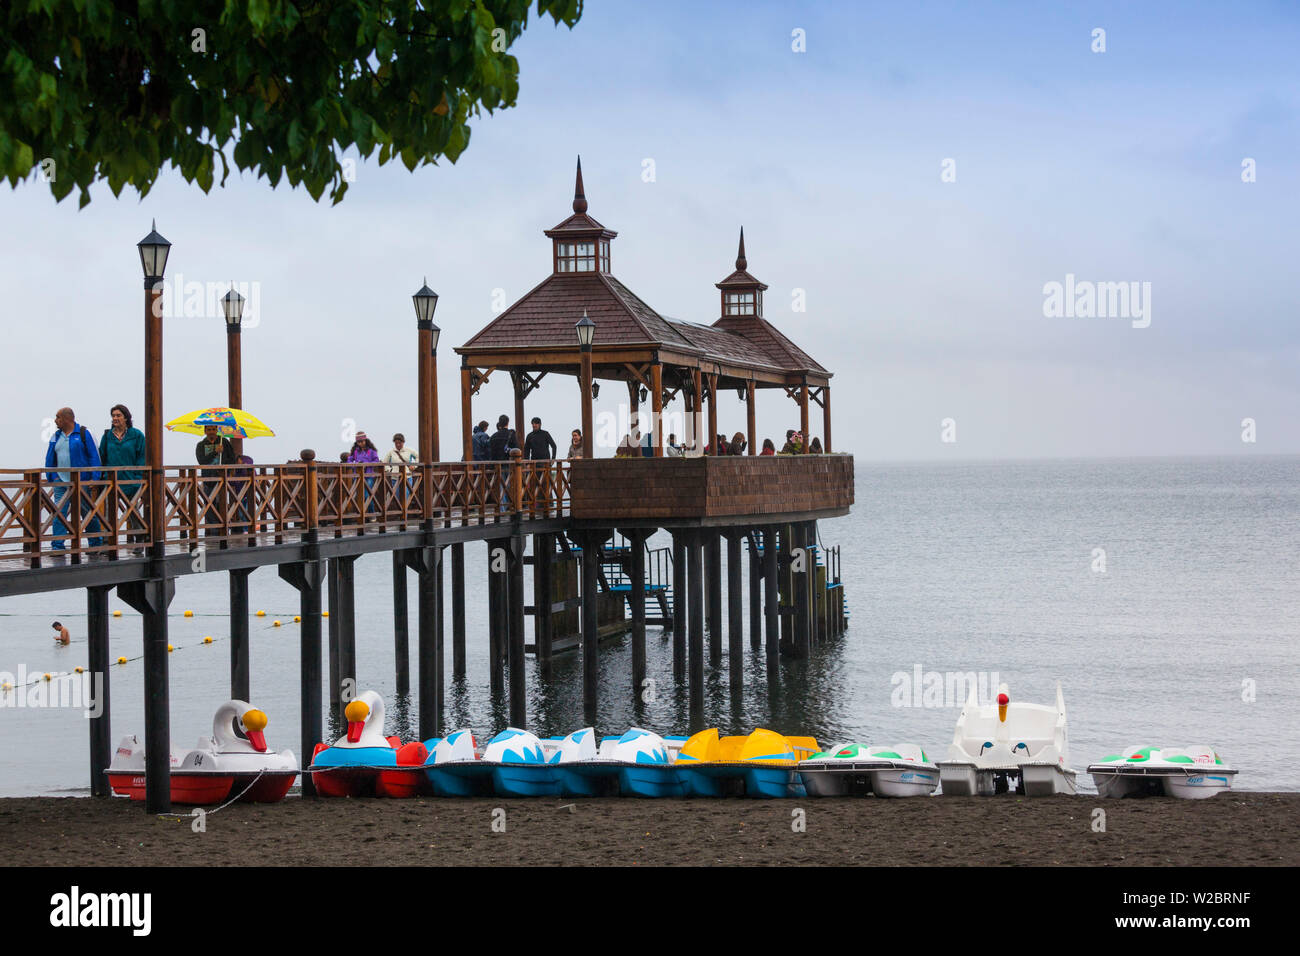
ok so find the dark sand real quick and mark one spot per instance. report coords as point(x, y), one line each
point(1252, 829)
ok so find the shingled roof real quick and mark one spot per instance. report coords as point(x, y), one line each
point(545, 316)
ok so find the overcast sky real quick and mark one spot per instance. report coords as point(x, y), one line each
point(925, 297)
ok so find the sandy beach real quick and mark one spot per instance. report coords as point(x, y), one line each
point(1250, 829)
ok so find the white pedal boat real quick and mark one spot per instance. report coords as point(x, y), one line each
point(1006, 746)
point(234, 761)
point(848, 769)
point(1190, 773)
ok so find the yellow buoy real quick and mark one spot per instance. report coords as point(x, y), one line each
point(80, 670)
point(324, 613)
point(117, 614)
point(189, 613)
point(6, 686)
point(207, 639)
point(275, 623)
point(121, 660)
point(297, 619)
point(261, 614)
point(47, 675)
point(170, 648)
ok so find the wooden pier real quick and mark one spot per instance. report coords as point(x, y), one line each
point(140, 532)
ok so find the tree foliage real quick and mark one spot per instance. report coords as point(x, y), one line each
point(113, 90)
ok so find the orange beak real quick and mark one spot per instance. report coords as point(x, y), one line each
point(258, 740)
point(1003, 700)
point(354, 730)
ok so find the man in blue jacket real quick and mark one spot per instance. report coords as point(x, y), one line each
point(70, 448)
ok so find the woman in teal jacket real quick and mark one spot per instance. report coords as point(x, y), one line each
point(123, 446)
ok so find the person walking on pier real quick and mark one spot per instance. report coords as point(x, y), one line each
point(213, 449)
point(575, 444)
point(394, 460)
point(71, 447)
point(502, 440)
point(365, 452)
point(123, 447)
point(539, 445)
point(482, 442)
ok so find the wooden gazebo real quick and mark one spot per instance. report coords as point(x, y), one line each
point(659, 359)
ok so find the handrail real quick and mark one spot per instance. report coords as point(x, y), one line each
point(103, 513)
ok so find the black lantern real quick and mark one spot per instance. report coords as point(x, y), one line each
point(586, 330)
point(153, 254)
point(426, 301)
point(233, 305)
point(595, 389)
point(644, 395)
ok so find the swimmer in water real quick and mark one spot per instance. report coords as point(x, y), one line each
point(63, 637)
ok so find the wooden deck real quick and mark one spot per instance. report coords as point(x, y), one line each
point(225, 518)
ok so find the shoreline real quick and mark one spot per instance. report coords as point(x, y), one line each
point(1234, 829)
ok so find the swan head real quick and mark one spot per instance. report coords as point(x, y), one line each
point(238, 724)
point(357, 713)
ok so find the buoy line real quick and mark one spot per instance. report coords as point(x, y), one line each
point(207, 641)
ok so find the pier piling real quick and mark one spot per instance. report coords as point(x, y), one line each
point(518, 683)
point(101, 737)
point(401, 626)
point(239, 659)
point(458, 610)
point(735, 617)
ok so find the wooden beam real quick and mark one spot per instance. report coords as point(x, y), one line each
point(466, 414)
point(750, 419)
point(657, 407)
point(826, 419)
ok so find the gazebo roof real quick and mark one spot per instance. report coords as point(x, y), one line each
point(544, 317)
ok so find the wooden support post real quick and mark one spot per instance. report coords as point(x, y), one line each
point(401, 626)
point(771, 599)
point(239, 652)
point(634, 413)
point(755, 591)
point(695, 583)
point(735, 618)
point(826, 419)
point(543, 625)
point(801, 558)
point(714, 585)
point(657, 406)
point(518, 682)
point(308, 577)
point(697, 383)
point(584, 385)
point(347, 630)
point(151, 598)
point(429, 679)
point(97, 661)
point(440, 632)
point(591, 543)
point(680, 605)
point(234, 385)
point(496, 621)
point(713, 414)
point(333, 630)
point(458, 610)
point(636, 543)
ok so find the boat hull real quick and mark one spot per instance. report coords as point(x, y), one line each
point(525, 780)
point(652, 781)
point(190, 789)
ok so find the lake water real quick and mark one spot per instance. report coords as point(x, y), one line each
point(1188, 636)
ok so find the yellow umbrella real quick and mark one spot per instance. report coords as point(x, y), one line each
point(230, 422)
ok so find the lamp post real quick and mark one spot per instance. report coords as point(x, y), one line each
point(153, 259)
point(233, 306)
point(150, 596)
point(586, 330)
point(426, 302)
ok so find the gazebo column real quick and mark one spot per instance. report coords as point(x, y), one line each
point(713, 414)
point(517, 380)
point(697, 384)
point(751, 421)
point(634, 411)
point(803, 412)
point(657, 407)
point(466, 414)
point(826, 419)
point(584, 387)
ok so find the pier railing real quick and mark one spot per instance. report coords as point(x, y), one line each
point(104, 513)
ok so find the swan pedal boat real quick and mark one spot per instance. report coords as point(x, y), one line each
point(760, 764)
point(1005, 746)
point(234, 760)
point(640, 763)
point(364, 762)
point(848, 769)
point(1190, 773)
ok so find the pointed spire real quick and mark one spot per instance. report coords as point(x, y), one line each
point(579, 198)
point(741, 264)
